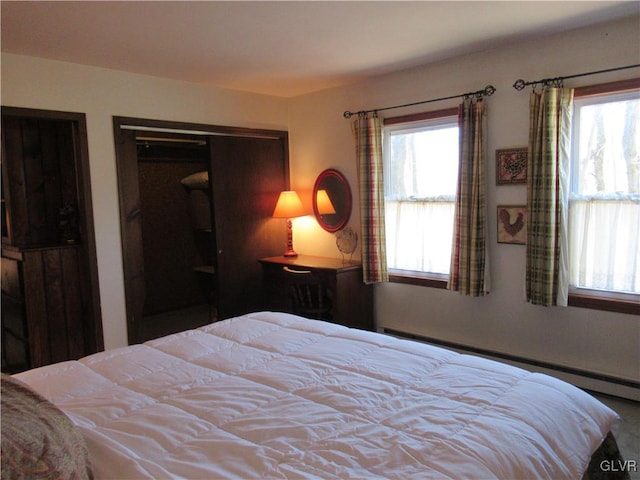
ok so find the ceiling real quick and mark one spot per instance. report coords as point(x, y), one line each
point(281, 48)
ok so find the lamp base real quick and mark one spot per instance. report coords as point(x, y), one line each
point(290, 252)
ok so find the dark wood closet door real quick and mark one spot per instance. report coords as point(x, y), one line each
point(131, 225)
point(247, 176)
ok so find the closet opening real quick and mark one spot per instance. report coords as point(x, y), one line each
point(178, 236)
point(196, 204)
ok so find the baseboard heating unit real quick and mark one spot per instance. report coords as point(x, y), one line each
point(585, 379)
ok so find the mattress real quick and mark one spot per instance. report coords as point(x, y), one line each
point(273, 395)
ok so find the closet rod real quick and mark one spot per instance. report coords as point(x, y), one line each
point(170, 140)
point(487, 91)
point(198, 132)
point(557, 81)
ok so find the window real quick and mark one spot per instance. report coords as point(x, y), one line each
point(604, 203)
point(421, 172)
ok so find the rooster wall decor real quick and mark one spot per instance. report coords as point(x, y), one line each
point(512, 223)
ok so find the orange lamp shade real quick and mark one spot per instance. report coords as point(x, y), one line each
point(289, 205)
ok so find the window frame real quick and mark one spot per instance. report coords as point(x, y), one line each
point(412, 277)
point(602, 299)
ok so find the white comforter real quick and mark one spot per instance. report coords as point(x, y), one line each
point(272, 395)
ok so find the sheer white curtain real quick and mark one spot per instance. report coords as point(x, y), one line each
point(604, 243)
point(416, 229)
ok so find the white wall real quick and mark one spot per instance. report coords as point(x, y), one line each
point(100, 94)
point(596, 341)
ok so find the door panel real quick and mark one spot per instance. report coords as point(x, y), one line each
point(48, 231)
point(131, 226)
point(247, 176)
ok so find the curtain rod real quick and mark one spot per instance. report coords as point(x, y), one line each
point(488, 91)
point(557, 81)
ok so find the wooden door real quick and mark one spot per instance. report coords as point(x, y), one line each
point(48, 230)
point(247, 173)
point(131, 226)
point(56, 301)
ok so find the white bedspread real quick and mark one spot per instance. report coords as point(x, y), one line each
point(272, 395)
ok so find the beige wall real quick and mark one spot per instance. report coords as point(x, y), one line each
point(101, 94)
point(320, 138)
point(596, 341)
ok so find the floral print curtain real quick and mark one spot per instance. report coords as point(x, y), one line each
point(550, 113)
point(469, 272)
point(368, 131)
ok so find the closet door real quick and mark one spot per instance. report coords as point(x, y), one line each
point(131, 227)
point(247, 174)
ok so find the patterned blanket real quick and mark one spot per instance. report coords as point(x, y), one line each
point(38, 440)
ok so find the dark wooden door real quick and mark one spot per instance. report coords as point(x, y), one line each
point(48, 234)
point(247, 176)
point(131, 225)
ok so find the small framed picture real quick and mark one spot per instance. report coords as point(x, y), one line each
point(512, 224)
point(511, 166)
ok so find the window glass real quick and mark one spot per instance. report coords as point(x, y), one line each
point(604, 207)
point(421, 170)
point(608, 138)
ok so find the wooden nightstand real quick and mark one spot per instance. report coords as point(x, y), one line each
point(351, 300)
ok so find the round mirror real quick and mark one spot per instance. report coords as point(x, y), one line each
point(332, 200)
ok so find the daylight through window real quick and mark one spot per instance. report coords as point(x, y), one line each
point(421, 170)
point(604, 207)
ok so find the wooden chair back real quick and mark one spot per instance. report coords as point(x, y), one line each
point(308, 295)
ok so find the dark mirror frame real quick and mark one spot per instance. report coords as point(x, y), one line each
point(337, 188)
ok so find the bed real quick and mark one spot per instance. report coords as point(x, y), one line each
point(273, 395)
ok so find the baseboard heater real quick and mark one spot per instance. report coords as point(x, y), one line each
point(597, 382)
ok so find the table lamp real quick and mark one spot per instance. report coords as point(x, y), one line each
point(289, 206)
